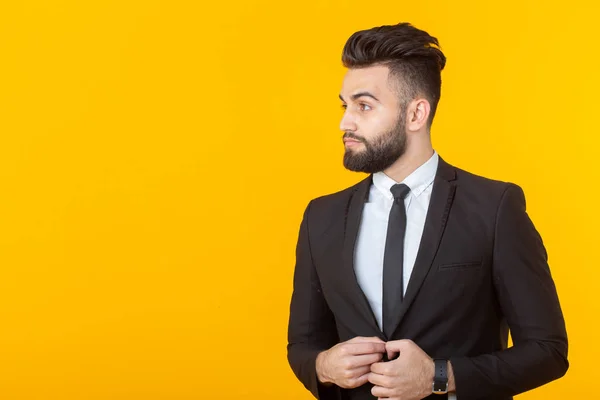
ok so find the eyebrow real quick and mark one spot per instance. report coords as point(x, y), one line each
point(361, 94)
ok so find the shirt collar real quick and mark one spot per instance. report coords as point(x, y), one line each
point(417, 181)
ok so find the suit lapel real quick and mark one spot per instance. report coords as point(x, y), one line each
point(352, 224)
point(442, 196)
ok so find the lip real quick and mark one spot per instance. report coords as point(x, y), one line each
point(351, 142)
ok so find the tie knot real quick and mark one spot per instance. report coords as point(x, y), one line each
point(400, 191)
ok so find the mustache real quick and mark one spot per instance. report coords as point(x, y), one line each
point(350, 135)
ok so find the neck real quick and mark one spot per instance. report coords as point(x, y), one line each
point(412, 159)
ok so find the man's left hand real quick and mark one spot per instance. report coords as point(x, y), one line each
point(409, 377)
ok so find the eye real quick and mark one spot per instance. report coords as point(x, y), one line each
point(344, 106)
point(364, 107)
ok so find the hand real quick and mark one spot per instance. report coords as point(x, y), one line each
point(409, 377)
point(348, 364)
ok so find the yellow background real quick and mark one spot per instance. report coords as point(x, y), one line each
point(156, 158)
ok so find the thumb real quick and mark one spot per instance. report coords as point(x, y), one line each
point(396, 346)
point(391, 355)
point(362, 339)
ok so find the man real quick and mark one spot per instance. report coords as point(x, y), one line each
point(407, 283)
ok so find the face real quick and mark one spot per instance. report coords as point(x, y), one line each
point(373, 124)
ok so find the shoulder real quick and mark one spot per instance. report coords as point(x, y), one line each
point(337, 202)
point(486, 193)
point(483, 185)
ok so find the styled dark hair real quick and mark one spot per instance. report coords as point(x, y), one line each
point(412, 55)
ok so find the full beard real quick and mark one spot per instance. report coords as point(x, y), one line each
point(380, 153)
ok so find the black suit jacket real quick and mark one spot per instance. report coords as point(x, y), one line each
point(481, 269)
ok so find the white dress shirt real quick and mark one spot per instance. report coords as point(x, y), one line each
point(370, 244)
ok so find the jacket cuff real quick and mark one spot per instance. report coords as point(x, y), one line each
point(467, 378)
point(318, 389)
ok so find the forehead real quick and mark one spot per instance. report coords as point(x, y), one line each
point(373, 79)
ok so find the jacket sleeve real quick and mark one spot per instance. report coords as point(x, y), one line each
point(529, 301)
point(311, 327)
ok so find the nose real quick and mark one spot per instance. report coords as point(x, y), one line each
point(347, 123)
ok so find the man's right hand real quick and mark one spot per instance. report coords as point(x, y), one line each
point(348, 364)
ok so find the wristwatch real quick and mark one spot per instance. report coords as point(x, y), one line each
point(440, 380)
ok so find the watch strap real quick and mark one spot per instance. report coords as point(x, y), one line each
point(440, 380)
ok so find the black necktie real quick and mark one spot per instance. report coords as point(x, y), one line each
point(393, 258)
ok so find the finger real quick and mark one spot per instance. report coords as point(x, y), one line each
point(379, 391)
point(378, 380)
point(365, 348)
point(399, 345)
point(392, 355)
point(358, 372)
point(359, 381)
point(382, 368)
point(362, 339)
point(365, 360)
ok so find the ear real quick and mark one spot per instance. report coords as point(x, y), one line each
point(417, 115)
